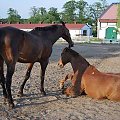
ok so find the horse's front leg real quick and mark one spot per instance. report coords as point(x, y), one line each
point(10, 71)
point(69, 91)
point(44, 64)
point(68, 76)
point(27, 76)
point(2, 79)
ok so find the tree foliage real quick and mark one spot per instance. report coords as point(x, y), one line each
point(69, 14)
point(81, 8)
point(13, 16)
point(79, 11)
point(118, 17)
point(41, 15)
point(73, 11)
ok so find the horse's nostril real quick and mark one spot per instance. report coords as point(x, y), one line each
point(60, 65)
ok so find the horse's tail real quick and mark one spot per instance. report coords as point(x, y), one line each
point(5, 49)
point(1, 40)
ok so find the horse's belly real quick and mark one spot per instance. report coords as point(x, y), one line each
point(22, 60)
point(27, 59)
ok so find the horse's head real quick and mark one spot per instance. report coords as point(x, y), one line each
point(66, 35)
point(65, 57)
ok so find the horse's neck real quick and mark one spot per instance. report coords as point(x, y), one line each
point(54, 37)
point(78, 65)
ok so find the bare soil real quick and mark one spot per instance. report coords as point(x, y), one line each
point(55, 105)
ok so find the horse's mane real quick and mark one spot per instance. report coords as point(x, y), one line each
point(46, 28)
point(72, 52)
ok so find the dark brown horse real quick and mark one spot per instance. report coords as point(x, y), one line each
point(86, 78)
point(27, 47)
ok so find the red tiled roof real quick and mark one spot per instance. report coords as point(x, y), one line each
point(31, 26)
point(110, 14)
point(75, 26)
point(108, 20)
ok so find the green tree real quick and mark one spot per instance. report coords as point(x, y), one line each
point(69, 14)
point(95, 10)
point(34, 15)
point(13, 16)
point(104, 4)
point(53, 15)
point(42, 11)
point(33, 11)
point(81, 8)
point(118, 16)
point(41, 15)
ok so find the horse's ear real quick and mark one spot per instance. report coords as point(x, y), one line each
point(66, 49)
point(63, 23)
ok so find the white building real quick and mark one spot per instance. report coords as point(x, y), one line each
point(107, 24)
point(76, 30)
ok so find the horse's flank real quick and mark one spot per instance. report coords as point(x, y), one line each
point(100, 85)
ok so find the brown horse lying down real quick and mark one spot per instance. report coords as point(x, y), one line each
point(86, 78)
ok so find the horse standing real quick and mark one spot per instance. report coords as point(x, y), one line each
point(86, 78)
point(27, 47)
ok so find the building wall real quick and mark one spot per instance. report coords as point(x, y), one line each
point(74, 33)
point(88, 28)
point(101, 31)
point(26, 30)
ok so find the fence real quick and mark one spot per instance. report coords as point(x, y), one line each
point(91, 39)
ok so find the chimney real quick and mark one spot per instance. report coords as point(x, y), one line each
point(41, 22)
point(18, 22)
point(75, 22)
point(53, 22)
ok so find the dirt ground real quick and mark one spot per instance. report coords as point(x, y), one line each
point(56, 106)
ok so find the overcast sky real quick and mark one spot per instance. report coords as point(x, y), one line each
point(23, 6)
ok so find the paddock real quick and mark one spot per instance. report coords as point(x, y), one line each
point(55, 106)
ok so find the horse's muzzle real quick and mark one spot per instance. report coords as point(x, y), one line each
point(60, 65)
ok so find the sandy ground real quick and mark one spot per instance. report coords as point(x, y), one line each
point(55, 106)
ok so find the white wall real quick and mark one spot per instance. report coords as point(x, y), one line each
point(101, 31)
point(88, 28)
point(27, 30)
point(74, 33)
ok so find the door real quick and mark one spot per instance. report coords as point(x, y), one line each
point(84, 32)
point(111, 33)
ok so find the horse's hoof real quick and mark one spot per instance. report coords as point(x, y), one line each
point(20, 94)
point(11, 106)
point(61, 87)
point(63, 91)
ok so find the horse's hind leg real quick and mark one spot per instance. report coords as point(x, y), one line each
point(10, 71)
point(20, 93)
point(43, 68)
point(2, 79)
